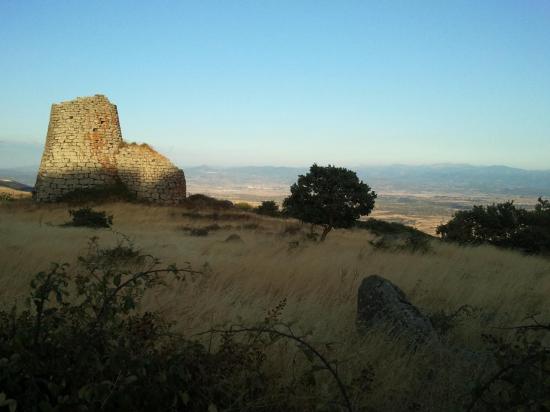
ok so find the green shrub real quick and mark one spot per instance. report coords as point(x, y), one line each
point(268, 208)
point(90, 218)
point(244, 206)
point(200, 201)
point(502, 225)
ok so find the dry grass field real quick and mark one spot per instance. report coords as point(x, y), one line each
point(243, 280)
point(15, 194)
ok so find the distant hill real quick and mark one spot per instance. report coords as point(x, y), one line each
point(446, 178)
point(24, 174)
point(12, 184)
point(465, 179)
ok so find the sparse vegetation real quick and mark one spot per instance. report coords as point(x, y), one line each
point(88, 217)
point(409, 243)
point(396, 236)
point(216, 216)
point(6, 197)
point(291, 230)
point(330, 196)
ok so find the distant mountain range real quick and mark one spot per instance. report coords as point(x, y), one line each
point(24, 174)
point(12, 184)
point(444, 178)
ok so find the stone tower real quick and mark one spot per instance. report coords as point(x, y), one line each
point(84, 150)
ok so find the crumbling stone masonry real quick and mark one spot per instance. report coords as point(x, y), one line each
point(84, 150)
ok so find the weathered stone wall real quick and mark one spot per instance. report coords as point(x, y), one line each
point(149, 175)
point(83, 138)
point(84, 144)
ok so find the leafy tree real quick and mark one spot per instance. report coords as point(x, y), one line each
point(330, 196)
point(268, 208)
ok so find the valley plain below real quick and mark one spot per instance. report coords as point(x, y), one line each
point(420, 196)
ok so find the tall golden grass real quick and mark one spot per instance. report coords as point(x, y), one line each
point(242, 281)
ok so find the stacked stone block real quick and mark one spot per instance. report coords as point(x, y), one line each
point(149, 175)
point(84, 147)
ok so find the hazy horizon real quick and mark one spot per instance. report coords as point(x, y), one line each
point(32, 155)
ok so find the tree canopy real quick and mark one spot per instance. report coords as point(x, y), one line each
point(330, 196)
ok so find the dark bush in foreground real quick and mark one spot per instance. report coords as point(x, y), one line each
point(80, 344)
point(95, 352)
point(503, 225)
point(521, 381)
point(90, 218)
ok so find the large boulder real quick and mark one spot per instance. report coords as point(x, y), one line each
point(383, 306)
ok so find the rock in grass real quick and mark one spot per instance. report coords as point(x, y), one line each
point(382, 305)
point(234, 238)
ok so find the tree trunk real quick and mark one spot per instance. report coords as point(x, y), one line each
point(326, 229)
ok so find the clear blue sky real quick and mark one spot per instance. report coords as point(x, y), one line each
point(288, 82)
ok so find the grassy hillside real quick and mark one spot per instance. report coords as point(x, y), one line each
point(9, 193)
point(242, 281)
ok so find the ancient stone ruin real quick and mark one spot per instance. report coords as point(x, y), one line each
point(84, 150)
